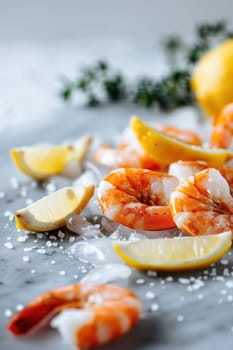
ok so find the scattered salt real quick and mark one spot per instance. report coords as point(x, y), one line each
point(180, 318)
point(223, 292)
point(229, 284)
point(154, 307)
point(183, 280)
point(22, 238)
point(140, 281)
point(19, 307)
point(53, 262)
point(62, 273)
point(150, 295)
point(2, 195)
point(14, 182)
point(50, 187)
point(8, 245)
point(224, 261)
point(8, 313)
point(61, 234)
point(220, 278)
point(49, 244)
point(10, 215)
point(25, 258)
point(33, 271)
point(28, 201)
point(41, 251)
point(229, 298)
point(169, 279)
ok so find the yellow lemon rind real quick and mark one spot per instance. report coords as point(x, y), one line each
point(26, 220)
point(173, 266)
point(165, 149)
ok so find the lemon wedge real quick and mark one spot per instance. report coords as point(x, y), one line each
point(174, 254)
point(40, 162)
point(166, 149)
point(50, 212)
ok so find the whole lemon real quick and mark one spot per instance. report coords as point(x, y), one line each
point(212, 80)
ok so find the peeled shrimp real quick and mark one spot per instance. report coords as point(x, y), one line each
point(183, 169)
point(137, 198)
point(181, 134)
point(90, 314)
point(222, 133)
point(125, 156)
point(202, 204)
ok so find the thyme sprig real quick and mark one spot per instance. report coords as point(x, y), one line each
point(100, 83)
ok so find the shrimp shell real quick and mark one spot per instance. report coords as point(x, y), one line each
point(202, 204)
point(90, 314)
point(137, 198)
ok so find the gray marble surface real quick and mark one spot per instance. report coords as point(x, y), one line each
point(181, 311)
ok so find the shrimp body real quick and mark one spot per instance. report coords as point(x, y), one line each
point(90, 314)
point(202, 204)
point(187, 136)
point(125, 156)
point(223, 128)
point(137, 198)
point(183, 169)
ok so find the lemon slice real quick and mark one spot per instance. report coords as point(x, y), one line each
point(50, 212)
point(174, 254)
point(40, 162)
point(166, 149)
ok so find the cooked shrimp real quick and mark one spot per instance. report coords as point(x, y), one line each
point(222, 133)
point(202, 204)
point(125, 156)
point(137, 198)
point(181, 134)
point(97, 313)
point(183, 169)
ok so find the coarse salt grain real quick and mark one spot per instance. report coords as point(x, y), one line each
point(224, 261)
point(150, 295)
point(140, 281)
point(62, 273)
point(61, 234)
point(8, 313)
point(53, 262)
point(180, 318)
point(154, 307)
point(229, 284)
point(25, 258)
point(27, 249)
point(8, 245)
point(22, 238)
point(28, 201)
point(152, 273)
point(41, 251)
point(169, 279)
point(184, 280)
point(19, 307)
point(14, 182)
